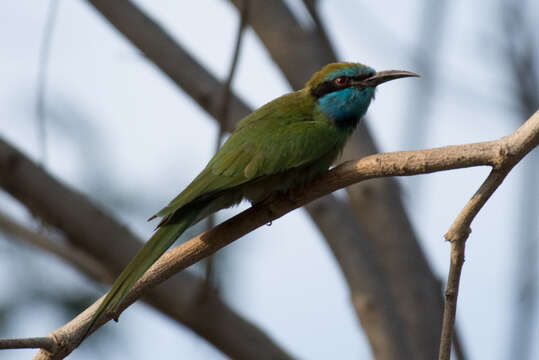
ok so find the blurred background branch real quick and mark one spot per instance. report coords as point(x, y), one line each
point(109, 115)
point(44, 57)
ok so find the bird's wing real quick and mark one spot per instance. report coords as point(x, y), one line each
point(267, 142)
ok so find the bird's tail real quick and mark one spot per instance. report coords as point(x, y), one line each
point(161, 240)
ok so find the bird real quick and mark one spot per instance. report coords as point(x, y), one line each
point(281, 146)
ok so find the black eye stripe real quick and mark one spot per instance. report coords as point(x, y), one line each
point(330, 86)
point(324, 88)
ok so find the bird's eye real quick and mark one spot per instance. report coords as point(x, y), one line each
point(341, 80)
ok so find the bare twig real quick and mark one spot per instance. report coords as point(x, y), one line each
point(460, 230)
point(457, 235)
point(65, 251)
point(507, 150)
point(29, 343)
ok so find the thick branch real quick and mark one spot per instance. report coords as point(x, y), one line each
point(404, 163)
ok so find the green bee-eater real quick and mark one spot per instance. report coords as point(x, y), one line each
point(282, 145)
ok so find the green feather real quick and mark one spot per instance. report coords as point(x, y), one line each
point(266, 143)
point(282, 145)
point(284, 134)
point(161, 240)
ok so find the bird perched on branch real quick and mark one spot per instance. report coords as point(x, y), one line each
point(282, 145)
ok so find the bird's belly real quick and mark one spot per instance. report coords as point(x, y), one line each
point(267, 186)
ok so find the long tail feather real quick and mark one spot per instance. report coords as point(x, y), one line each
point(161, 240)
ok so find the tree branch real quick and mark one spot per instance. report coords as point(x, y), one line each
point(459, 231)
point(509, 149)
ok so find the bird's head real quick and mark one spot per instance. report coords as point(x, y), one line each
point(343, 91)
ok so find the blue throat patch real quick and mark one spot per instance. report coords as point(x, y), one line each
point(346, 106)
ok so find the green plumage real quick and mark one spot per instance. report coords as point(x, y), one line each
point(282, 145)
point(267, 142)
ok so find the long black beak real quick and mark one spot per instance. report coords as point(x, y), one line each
point(383, 76)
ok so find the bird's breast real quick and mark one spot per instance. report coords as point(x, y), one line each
point(265, 186)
